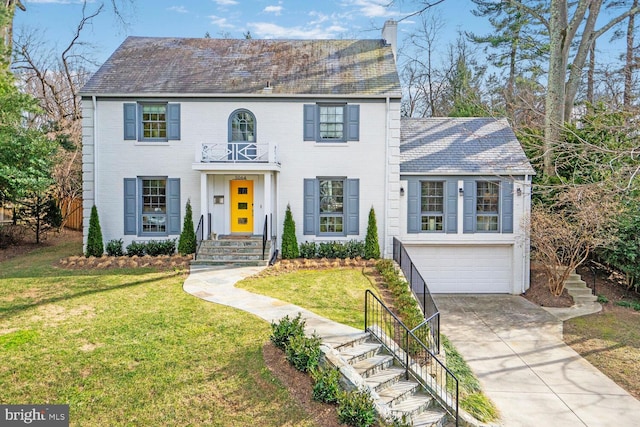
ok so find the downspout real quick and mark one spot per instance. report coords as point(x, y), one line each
point(527, 232)
point(95, 149)
point(385, 236)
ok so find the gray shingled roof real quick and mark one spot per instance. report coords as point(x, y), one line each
point(148, 65)
point(464, 146)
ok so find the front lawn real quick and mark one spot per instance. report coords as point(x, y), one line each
point(129, 347)
point(337, 294)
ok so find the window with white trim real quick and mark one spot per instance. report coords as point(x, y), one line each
point(154, 205)
point(432, 205)
point(487, 205)
point(331, 122)
point(154, 121)
point(242, 126)
point(331, 204)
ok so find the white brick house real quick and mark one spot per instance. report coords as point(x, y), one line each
point(243, 128)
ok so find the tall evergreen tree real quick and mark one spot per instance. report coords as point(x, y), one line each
point(289, 241)
point(188, 242)
point(371, 245)
point(95, 247)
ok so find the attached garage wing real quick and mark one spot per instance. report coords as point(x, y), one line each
point(465, 269)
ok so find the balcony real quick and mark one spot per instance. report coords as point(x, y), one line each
point(235, 155)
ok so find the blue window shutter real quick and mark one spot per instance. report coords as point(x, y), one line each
point(353, 122)
point(451, 192)
point(173, 121)
point(309, 122)
point(353, 206)
point(469, 206)
point(130, 119)
point(310, 209)
point(130, 211)
point(413, 207)
point(173, 205)
point(506, 206)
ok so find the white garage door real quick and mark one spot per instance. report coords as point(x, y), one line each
point(465, 269)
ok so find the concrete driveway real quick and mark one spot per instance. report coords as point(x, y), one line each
point(516, 350)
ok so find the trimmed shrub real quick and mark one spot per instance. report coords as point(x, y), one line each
point(303, 352)
point(371, 246)
point(136, 248)
point(289, 241)
point(308, 250)
point(355, 408)
point(326, 385)
point(114, 247)
point(95, 247)
point(354, 249)
point(188, 241)
point(285, 329)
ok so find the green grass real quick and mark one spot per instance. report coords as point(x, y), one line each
point(339, 295)
point(129, 347)
point(336, 294)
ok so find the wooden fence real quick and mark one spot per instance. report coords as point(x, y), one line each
point(72, 213)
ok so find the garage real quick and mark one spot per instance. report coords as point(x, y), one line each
point(465, 269)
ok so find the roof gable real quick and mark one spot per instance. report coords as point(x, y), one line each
point(148, 65)
point(461, 146)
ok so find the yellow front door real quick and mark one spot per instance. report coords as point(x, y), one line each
point(241, 206)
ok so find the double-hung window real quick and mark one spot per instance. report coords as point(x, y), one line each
point(151, 121)
point(487, 205)
point(154, 205)
point(331, 122)
point(432, 205)
point(154, 121)
point(331, 202)
point(331, 206)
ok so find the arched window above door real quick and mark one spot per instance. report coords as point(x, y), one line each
point(242, 126)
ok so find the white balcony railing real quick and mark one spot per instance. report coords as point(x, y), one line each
point(237, 152)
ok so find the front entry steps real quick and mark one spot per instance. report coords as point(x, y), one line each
point(578, 290)
point(400, 397)
point(233, 250)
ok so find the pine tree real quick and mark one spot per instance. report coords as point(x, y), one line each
point(289, 241)
point(371, 246)
point(95, 247)
point(188, 242)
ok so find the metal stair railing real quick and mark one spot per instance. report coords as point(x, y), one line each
point(413, 355)
point(421, 291)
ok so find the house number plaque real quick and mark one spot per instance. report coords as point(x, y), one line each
point(241, 177)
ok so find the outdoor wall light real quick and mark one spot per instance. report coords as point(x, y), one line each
point(519, 191)
point(401, 191)
point(461, 191)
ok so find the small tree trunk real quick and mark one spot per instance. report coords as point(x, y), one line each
point(628, 63)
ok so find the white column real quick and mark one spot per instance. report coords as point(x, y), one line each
point(204, 203)
point(266, 203)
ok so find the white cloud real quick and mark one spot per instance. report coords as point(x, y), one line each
point(178, 9)
point(277, 10)
point(226, 2)
point(220, 22)
point(372, 8)
point(268, 30)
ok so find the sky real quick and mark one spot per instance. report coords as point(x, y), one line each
point(56, 20)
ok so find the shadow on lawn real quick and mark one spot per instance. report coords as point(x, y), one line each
point(7, 312)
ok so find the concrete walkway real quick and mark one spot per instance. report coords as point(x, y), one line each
point(513, 346)
point(217, 285)
point(516, 350)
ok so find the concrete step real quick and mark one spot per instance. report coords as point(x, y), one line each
point(398, 391)
point(385, 378)
point(434, 417)
point(373, 365)
point(361, 351)
point(584, 299)
point(232, 263)
point(411, 406)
